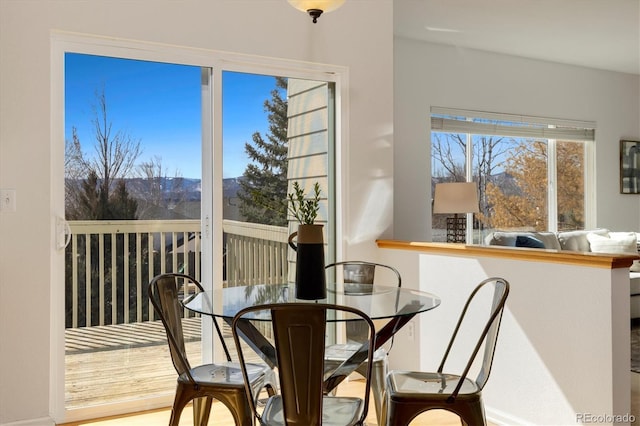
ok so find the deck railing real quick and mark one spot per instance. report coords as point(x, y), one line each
point(109, 263)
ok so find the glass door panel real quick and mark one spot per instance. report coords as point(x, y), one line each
point(276, 130)
point(133, 188)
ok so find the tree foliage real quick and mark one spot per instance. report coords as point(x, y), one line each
point(263, 193)
point(161, 192)
point(570, 157)
point(526, 205)
point(450, 149)
point(95, 186)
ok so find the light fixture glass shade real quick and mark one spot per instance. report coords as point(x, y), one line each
point(315, 8)
point(323, 5)
point(456, 197)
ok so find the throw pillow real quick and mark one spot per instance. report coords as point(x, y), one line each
point(577, 240)
point(529, 242)
point(615, 242)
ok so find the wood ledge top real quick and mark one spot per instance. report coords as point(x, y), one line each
point(593, 260)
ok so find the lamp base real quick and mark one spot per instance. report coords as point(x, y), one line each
point(456, 229)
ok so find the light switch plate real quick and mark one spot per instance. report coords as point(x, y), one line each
point(7, 200)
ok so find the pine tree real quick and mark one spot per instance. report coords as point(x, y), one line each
point(121, 205)
point(263, 193)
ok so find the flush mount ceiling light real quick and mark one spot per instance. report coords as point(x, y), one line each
point(315, 8)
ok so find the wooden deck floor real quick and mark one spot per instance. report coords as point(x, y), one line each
point(115, 363)
point(109, 337)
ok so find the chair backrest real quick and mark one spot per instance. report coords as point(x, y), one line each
point(361, 272)
point(299, 331)
point(488, 335)
point(165, 292)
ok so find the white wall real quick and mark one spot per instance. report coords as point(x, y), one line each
point(436, 75)
point(358, 36)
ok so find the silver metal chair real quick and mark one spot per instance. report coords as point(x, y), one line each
point(203, 383)
point(299, 331)
point(409, 393)
point(361, 272)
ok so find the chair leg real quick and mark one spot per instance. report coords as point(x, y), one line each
point(399, 414)
point(236, 402)
point(402, 413)
point(382, 418)
point(201, 410)
point(473, 413)
point(179, 401)
point(396, 416)
point(378, 373)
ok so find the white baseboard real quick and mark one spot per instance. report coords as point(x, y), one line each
point(43, 421)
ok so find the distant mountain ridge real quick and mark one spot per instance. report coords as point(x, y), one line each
point(190, 188)
point(180, 198)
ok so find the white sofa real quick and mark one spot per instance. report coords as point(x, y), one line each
point(598, 240)
point(635, 294)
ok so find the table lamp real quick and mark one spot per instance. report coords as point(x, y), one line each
point(456, 198)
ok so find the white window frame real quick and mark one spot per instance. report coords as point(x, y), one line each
point(65, 42)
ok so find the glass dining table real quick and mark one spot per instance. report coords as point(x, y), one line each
point(395, 304)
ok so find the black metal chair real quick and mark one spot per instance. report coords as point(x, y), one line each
point(203, 383)
point(299, 331)
point(409, 393)
point(361, 272)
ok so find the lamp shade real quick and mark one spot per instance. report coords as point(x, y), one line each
point(315, 8)
point(456, 197)
point(323, 5)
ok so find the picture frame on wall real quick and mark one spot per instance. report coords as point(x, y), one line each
point(629, 167)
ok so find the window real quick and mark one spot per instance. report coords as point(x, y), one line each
point(532, 173)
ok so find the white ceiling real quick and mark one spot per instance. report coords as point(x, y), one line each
point(603, 34)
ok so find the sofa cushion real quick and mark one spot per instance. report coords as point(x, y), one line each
point(508, 238)
point(577, 240)
point(615, 242)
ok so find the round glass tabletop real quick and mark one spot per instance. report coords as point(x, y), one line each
point(377, 301)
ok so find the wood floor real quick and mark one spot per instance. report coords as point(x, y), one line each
point(221, 417)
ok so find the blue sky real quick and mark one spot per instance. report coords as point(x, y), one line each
point(159, 104)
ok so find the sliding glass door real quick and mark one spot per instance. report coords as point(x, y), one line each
point(166, 168)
